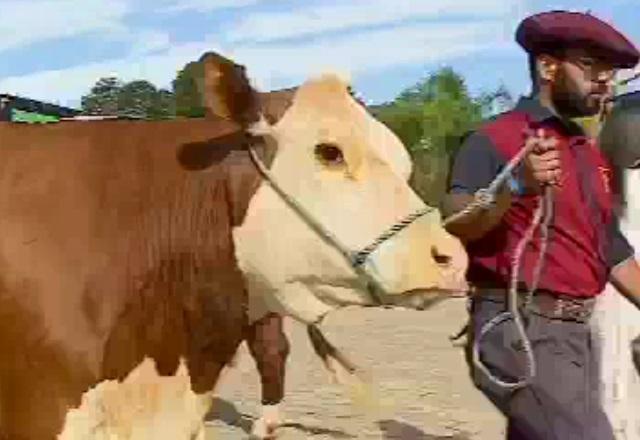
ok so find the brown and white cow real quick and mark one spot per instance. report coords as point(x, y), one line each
point(129, 249)
point(265, 337)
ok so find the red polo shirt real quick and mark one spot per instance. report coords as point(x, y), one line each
point(584, 238)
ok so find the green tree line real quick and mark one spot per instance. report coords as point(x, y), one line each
point(430, 117)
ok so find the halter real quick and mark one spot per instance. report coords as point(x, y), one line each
point(356, 259)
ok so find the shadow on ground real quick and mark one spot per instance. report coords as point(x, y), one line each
point(227, 413)
point(395, 430)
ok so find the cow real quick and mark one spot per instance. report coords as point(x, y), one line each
point(131, 250)
point(267, 343)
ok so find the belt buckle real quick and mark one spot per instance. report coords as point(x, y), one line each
point(577, 310)
point(558, 308)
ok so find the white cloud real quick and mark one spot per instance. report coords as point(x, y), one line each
point(368, 52)
point(149, 41)
point(276, 65)
point(68, 85)
point(30, 21)
point(309, 20)
point(204, 5)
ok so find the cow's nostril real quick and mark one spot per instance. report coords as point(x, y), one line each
point(440, 258)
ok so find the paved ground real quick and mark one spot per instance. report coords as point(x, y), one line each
point(419, 377)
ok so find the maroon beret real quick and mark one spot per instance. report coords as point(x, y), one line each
point(549, 31)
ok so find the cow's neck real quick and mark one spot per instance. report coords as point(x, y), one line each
point(243, 176)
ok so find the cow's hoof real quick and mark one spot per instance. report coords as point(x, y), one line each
point(265, 427)
point(263, 430)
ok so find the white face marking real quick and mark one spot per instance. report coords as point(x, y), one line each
point(350, 172)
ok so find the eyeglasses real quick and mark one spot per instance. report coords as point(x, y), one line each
point(593, 69)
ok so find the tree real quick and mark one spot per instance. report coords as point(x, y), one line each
point(141, 99)
point(435, 112)
point(188, 99)
point(431, 118)
point(102, 98)
point(138, 99)
point(166, 104)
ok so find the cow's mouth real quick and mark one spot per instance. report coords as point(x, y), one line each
point(415, 299)
point(422, 299)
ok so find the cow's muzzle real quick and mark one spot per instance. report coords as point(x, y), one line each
point(417, 299)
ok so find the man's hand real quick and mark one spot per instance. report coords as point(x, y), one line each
point(541, 166)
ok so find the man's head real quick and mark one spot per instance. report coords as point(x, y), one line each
point(573, 58)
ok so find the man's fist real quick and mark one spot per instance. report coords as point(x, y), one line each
point(542, 165)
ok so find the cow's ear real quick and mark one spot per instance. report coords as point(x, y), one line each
point(226, 90)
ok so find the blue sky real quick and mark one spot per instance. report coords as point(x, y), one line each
point(55, 50)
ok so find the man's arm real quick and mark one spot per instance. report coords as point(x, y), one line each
point(625, 277)
point(475, 166)
point(477, 224)
point(624, 272)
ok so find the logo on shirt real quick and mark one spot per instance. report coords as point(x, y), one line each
point(605, 175)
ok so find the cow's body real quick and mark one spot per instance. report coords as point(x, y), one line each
point(131, 252)
point(154, 274)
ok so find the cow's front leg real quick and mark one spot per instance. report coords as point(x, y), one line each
point(269, 348)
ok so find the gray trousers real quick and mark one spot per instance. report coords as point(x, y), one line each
point(562, 402)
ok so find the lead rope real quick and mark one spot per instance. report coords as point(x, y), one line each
point(544, 210)
point(483, 199)
point(356, 259)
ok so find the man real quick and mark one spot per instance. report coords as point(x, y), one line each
point(573, 58)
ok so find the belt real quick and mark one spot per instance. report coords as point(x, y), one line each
point(545, 303)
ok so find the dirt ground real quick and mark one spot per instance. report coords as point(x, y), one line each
point(420, 389)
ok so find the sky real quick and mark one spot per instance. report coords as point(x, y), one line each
point(55, 50)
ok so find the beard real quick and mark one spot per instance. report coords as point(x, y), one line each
point(571, 102)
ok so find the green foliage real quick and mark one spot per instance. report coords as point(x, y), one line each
point(142, 100)
point(137, 99)
point(188, 99)
point(431, 119)
point(166, 105)
point(103, 97)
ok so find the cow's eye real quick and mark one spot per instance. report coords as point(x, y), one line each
point(329, 154)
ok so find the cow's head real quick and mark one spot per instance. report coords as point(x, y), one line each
point(619, 135)
point(350, 174)
point(620, 140)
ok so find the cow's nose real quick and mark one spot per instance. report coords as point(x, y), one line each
point(441, 257)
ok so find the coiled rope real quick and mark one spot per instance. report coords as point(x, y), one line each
point(484, 199)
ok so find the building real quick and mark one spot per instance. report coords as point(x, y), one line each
point(18, 109)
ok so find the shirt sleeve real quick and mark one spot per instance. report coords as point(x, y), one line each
point(619, 248)
point(475, 166)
